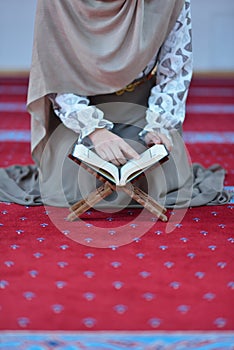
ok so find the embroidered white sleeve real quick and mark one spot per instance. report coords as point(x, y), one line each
point(166, 104)
point(76, 114)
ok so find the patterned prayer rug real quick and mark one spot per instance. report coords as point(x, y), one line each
point(166, 284)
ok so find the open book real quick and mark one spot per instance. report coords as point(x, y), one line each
point(123, 174)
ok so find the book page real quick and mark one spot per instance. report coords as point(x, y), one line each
point(136, 166)
point(95, 162)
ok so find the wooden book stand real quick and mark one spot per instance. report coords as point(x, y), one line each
point(106, 189)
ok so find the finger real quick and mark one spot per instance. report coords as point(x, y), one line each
point(128, 151)
point(155, 139)
point(108, 154)
point(118, 155)
point(158, 138)
point(152, 138)
point(166, 142)
point(115, 162)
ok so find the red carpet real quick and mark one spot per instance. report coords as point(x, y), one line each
point(177, 281)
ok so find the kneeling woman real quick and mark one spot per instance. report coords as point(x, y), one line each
point(114, 75)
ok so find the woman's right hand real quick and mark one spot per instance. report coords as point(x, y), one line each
point(111, 147)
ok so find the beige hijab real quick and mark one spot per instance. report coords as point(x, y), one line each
point(93, 47)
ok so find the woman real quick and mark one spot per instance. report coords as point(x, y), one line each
point(92, 79)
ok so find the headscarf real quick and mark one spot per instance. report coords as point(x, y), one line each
point(91, 47)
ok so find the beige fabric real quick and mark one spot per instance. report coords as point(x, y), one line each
point(67, 37)
point(92, 47)
point(175, 184)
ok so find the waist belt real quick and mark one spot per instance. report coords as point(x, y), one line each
point(131, 87)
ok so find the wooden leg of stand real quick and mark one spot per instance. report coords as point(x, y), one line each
point(93, 198)
point(149, 198)
point(146, 201)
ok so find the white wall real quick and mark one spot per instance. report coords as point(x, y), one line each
point(16, 33)
point(213, 34)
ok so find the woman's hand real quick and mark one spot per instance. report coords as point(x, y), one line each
point(153, 137)
point(111, 147)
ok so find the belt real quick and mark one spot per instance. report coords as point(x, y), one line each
point(131, 87)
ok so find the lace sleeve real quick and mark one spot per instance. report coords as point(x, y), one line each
point(76, 114)
point(166, 105)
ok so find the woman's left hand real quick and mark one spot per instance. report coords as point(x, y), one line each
point(153, 137)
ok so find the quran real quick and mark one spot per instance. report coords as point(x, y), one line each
point(121, 175)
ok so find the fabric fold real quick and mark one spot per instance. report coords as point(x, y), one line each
point(20, 184)
point(208, 185)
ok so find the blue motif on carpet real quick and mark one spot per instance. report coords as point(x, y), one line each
point(12, 107)
point(190, 137)
point(15, 135)
point(211, 108)
point(116, 340)
point(208, 137)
